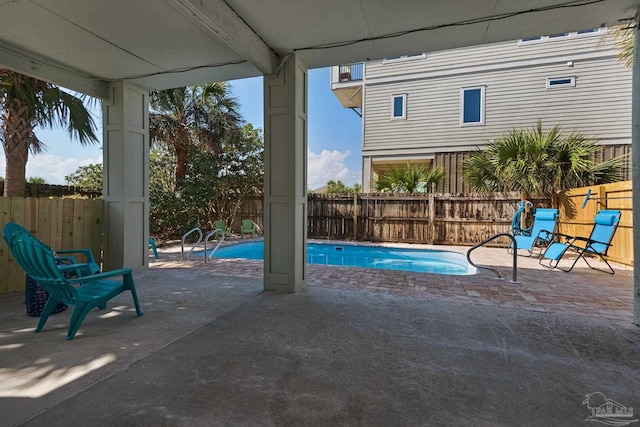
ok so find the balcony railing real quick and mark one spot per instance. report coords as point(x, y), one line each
point(350, 72)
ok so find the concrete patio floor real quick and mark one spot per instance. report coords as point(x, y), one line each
point(356, 347)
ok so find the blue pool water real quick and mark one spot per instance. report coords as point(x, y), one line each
point(420, 260)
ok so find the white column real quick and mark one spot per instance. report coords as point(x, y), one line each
point(635, 160)
point(367, 182)
point(126, 176)
point(285, 177)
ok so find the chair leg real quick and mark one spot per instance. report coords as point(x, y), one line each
point(79, 313)
point(129, 284)
point(46, 312)
point(610, 271)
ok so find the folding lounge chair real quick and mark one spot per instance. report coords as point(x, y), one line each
point(544, 224)
point(597, 244)
point(38, 261)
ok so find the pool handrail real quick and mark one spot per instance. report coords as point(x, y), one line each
point(208, 256)
point(184, 236)
point(514, 278)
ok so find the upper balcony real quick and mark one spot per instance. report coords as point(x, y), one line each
point(346, 84)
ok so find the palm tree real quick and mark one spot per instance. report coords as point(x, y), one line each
point(186, 116)
point(409, 179)
point(534, 162)
point(27, 103)
point(624, 35)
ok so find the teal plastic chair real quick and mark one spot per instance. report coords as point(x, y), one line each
point(66, 259)
point(597, 244)
point(154, 248)
point(247, 227)
point(542, 229)
point(39, 262)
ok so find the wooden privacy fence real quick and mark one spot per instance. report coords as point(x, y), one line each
point(576, 220)
point(60, 223)
point(455, 219)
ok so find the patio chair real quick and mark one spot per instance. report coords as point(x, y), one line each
point(38, 261)
point(222, 225)
point(247, 227)
point(154, 248)
point(597, 244)
point(544, 224)
point(66, 259)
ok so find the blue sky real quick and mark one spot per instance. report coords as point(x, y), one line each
point(335, 135)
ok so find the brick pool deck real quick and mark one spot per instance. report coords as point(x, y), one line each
point(583, 291)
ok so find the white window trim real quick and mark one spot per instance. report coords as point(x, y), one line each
point(404, 58)
point(572, 82)
point(404, 106)
point(482, 105)
point(546, 38)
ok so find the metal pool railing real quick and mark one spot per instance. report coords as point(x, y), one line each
point(514, 278)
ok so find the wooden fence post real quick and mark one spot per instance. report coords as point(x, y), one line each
point(355, 216)
point(432, 218)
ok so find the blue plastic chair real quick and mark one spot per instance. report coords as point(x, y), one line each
point(542, 229)
point(597, 244)
point(39, 262)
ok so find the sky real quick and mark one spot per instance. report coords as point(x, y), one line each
point(334, 137)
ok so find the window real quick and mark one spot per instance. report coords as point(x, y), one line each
point(399, 106)
point(559, 82)
point(472, 105)
point(404, 58)
point(534, 39)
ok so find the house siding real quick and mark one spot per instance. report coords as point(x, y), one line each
point(516, 95)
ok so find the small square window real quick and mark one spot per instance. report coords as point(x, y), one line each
point(404, 58)
point(559, 35)
point(399, 106)
point(472, 105)
point(558, 82)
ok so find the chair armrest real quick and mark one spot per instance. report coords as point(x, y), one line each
point(118, 272)
point(70, 259)
point(589, 241)
point(548, 235)
point(86, 252)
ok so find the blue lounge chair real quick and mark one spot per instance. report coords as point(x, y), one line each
point(39, 262)
point(597, 244)
point(544, 224)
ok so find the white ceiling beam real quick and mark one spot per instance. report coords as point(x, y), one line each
point(219, 20)
point(44, 69)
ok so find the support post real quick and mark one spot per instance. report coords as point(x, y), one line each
point(285, 177)
point(126, 176)
point(635, 153)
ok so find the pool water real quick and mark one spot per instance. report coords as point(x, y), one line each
point(418, 260)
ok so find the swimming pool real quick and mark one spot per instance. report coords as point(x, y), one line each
point(418, 260)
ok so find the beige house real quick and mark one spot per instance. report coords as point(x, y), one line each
point(434, 108)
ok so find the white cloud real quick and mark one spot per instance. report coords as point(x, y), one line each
point(51, 167)
point(327, 166)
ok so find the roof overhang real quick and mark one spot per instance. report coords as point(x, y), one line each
point(160, 44)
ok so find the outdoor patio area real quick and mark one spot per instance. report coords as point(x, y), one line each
point(355, 347)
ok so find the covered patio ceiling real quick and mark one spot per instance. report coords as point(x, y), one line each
point(168, 43)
